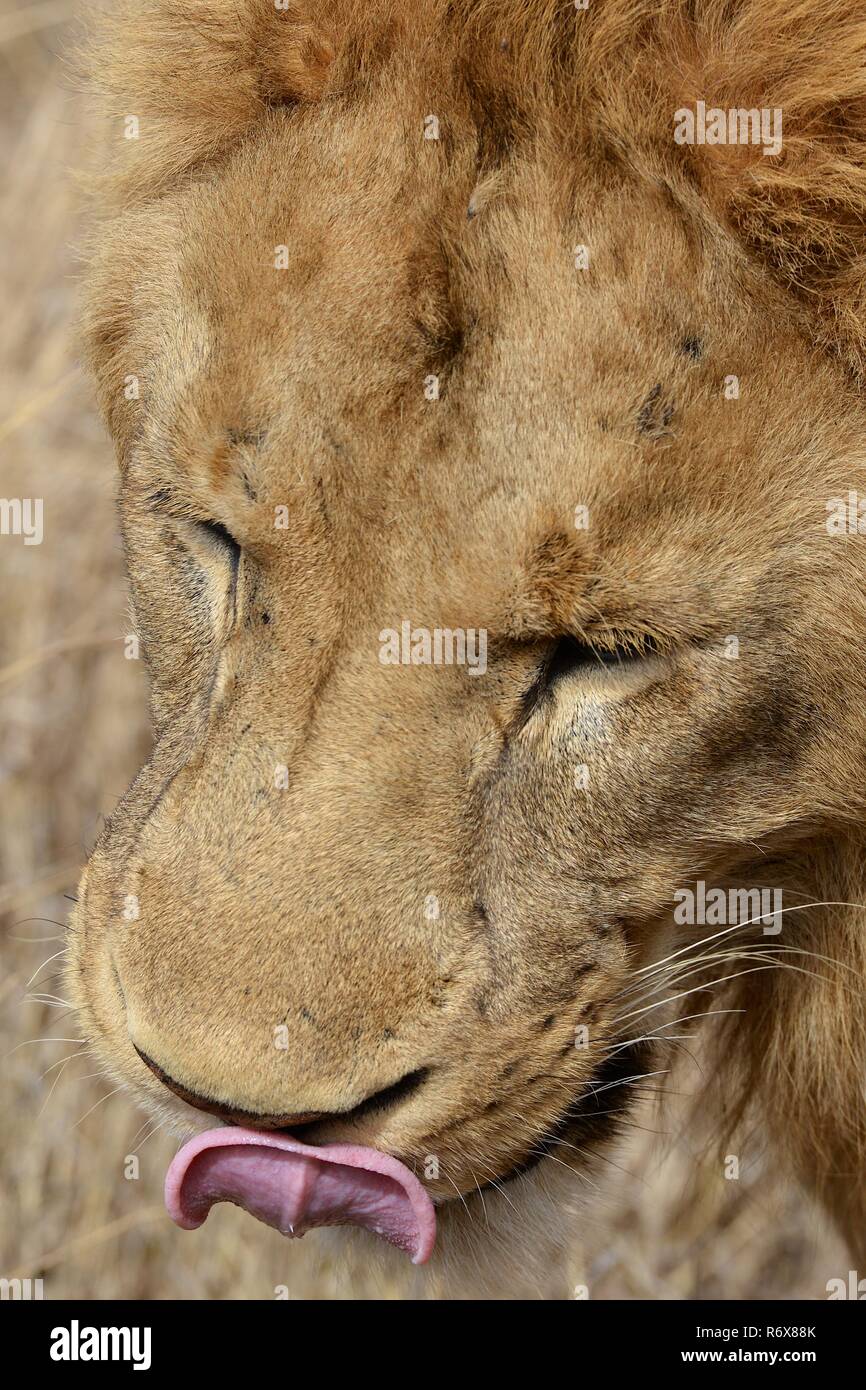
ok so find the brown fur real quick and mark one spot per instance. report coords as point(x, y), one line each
point(303, 388)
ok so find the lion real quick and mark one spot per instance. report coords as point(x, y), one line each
point(486, 382)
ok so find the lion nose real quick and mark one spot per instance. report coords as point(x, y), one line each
point(234, 1115)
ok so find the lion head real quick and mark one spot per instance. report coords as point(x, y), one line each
point(489, 461)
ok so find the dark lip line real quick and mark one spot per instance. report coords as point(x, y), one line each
point(601, 1124)
point(288, 1123)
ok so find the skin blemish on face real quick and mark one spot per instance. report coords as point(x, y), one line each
point(243, 439)
point(439, 997)
point(655, 414)
point(589, 723)
point(481, 913)
point(160, 497)
point(253, 438)
point(603, 928)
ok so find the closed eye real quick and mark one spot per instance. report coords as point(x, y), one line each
point(569, 656)
point(215, 534)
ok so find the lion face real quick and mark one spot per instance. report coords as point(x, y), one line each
point(480, 567)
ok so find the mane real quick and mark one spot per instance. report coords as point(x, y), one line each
point(601, 82)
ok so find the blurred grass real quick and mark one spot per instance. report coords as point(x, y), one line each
point(72, 732)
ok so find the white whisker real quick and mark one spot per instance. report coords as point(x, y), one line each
point(101, 1101)
point(43, 965)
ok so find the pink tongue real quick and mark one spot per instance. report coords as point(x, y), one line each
point(294, 1187)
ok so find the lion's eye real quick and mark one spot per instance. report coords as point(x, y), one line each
point(570, 656)
point(215, 534)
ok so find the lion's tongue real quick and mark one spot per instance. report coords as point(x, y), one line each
point(295, 1187)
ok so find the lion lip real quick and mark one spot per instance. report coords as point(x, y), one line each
point(295, 1187)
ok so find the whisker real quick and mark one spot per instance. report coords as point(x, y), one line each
point(797, 907)
point(160, 1124)
point(605, 1158)
point(51, 921)
point(499, 1187)
point(481, 1195)
point(62, 1062)
point(101, 1101)
point(37, 940)
point(713, 984)
point(746, 952)
point(28, 1042)
point(142, 1126)
point(685, 1018)
point(43, 965)
point(460, 1195)
point(545, 1153)
point(628, 1080)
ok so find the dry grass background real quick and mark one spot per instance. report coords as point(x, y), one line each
point(72, 730)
